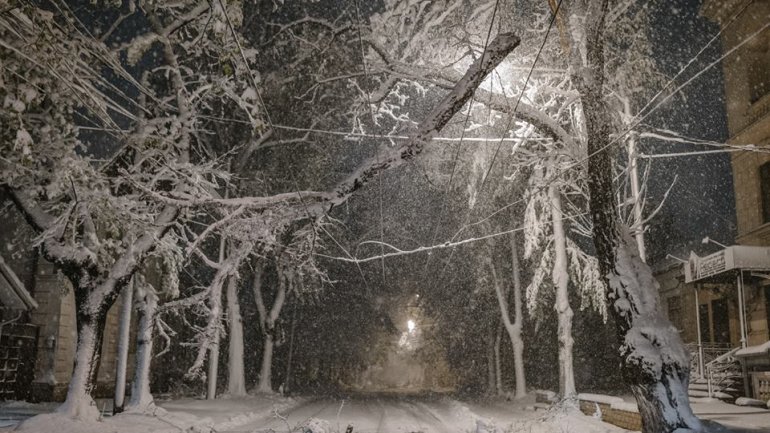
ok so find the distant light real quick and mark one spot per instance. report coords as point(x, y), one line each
point(410, 325)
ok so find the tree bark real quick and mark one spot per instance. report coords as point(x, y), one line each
point(498, 367)
point(236, 383)
point(654, 362)
point(266, 369)
point(90, 329)
point(267, 321)
point(213, 371)
point(141, 397)
point(515, 329)
point(123, 342)
point(560, 278)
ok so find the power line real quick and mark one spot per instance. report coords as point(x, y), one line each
point(270, 122)
point(511, 116)
point(374, 123)
point(443, 210)
point(637, 120)
point(521, 94)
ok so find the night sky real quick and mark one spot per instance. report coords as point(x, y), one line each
point(702, 202)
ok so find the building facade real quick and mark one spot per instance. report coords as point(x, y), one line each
point(720, 299)
point(38, 337)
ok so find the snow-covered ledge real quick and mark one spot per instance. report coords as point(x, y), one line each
point(612, 410)
point(751, 351)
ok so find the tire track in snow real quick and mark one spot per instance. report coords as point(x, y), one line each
point(435, 424)
point(280, 422)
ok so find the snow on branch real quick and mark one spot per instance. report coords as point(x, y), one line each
point(497, 50)
point(462, 91)
point(32, 212)
point(443, 77)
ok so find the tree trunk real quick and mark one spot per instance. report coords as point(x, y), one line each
point(236, 382)
point(213, 327)
point(498, 367)
point(90, 329)
point(514, 331)
point(654, 362)
point(560, 278)
point(267, 320)
point(265, 372)
point(513, 328)
point(123, 342)
point(141, 398)
point(211, 383)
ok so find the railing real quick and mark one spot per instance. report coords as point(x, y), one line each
point(723, 373)
point(709, 351)
point(721, 370)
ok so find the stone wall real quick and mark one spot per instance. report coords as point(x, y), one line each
point(613, 414)
point(612, 410)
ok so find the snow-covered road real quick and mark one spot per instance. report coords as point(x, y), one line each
point(370, 414)
point(356, 414)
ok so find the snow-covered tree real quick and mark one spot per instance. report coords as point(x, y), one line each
point(94, 220)
point(552, 248)
point(654, 361)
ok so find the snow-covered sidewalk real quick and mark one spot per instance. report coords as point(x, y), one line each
point(173, 416)
point(735, 417)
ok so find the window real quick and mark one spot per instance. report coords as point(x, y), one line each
point(675, 312)
point(720, 317)
point(767, 306)
point(759, 76)
point(764, 186)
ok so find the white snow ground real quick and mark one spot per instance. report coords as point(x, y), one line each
point(738, 418)
point(366, 414)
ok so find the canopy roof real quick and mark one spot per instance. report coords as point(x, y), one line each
point(722, 265)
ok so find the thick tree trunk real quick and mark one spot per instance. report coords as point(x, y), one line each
point(141, 398)
point(266, 370)
point(90, 329)
point(211, 383)
point(267, 320)
point(513, 328)
point(654, 362)
point(560, 278)
point(121, 366)
point(514, 332)
point(236, 382)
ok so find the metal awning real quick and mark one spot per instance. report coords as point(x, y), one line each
point(13, 294)
point(733, 263)
point(723, 265)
